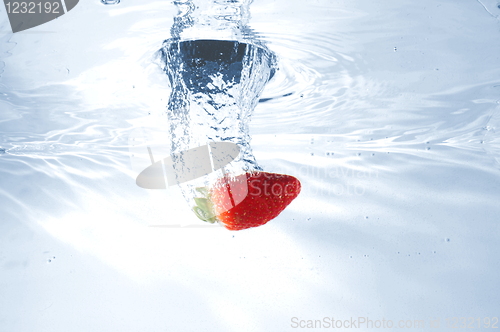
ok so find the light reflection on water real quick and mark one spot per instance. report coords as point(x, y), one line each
point(388, 113)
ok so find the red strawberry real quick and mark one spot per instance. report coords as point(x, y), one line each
point(247, 200)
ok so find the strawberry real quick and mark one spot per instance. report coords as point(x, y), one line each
point(247, 200)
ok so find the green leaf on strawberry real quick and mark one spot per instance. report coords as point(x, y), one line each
point(203, 210)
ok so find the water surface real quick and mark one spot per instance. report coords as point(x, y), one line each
point(387, 112)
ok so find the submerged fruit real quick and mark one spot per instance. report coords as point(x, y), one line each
point(247, 200)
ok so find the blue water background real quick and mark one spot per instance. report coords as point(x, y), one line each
point(387, 111)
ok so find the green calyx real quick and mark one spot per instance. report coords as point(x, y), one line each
point(203, 208)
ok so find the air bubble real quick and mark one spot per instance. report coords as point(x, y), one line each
point(110, 2)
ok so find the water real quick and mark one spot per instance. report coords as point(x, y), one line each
point(215, 85)
point(386, 110)
point(215, 88)
point(211, 99)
